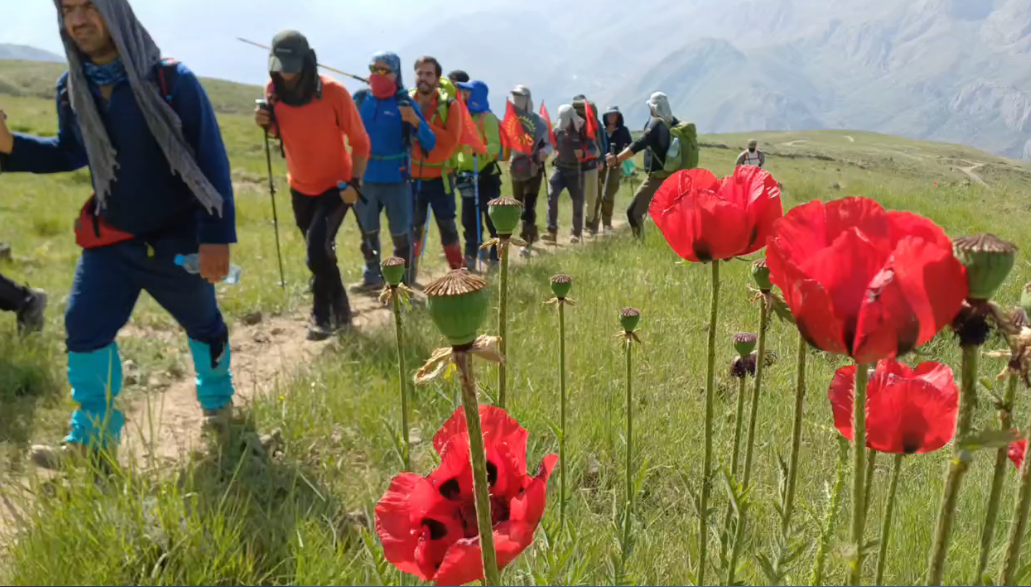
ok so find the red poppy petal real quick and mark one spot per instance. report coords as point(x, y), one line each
point(462, 564)
point(935, 373)
point(673, 209)
point(867, 216)
point(1017, 452)
point(453, 477)
point(800, 233)
point(845, 270)
point(501, 429)
point(810, 304)
point(767, 208)
point(454, 426)
point(398, 520)
point(842, 396)
point(918, 293)
point(907, 224)
point(529, 506)
point(724, 230)
point(908, 416)
point(511, 539)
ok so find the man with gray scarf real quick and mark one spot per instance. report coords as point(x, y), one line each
point(162, 188)
point(527, 171)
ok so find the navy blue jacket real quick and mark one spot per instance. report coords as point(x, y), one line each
point(146, 198)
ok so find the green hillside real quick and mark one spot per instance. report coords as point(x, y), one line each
point(36, 79)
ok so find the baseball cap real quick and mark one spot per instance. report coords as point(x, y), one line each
point(289, 49)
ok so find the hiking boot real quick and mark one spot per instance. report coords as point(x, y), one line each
point(341, 314)
point(31, 317)
point(575, 239)
point(367, 286)
point(320, 329)
point(470, 263)
point(550, 238)
point(592, 228)
point(66, 456)
point(525, 251)
point(216, 424)
point(607, 227)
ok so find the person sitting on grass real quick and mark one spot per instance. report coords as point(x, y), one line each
point(162, 188)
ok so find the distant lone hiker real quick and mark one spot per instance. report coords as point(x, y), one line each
point(752, 155)
point(314, 115)
point(162, 188)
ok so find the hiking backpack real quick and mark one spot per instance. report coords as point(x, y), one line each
point(683, 148)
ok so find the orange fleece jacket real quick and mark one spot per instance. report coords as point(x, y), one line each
point(447, 141)
point(313, 138)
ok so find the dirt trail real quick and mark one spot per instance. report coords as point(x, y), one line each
point(971, 171)
point(161, 430)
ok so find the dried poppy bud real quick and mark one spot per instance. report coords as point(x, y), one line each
point(744, 343)
point(561, 284)
point(629, 318)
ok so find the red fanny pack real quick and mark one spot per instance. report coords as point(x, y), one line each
point(91, 231)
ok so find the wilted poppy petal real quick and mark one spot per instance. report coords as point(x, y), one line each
point(842, 396)
point(1017, 452)
point(398, 520)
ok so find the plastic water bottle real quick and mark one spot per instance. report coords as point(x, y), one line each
point(192, 265)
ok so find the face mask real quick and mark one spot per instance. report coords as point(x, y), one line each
point(382, 86)
point(751, 149)
point(520, 102)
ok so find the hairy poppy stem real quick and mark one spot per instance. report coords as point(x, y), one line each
point(796, 434)
point(958, 467)
point(764, 322)
point(998, 480)
point(858, 474)
point(399, 334)
point(1019, 523)
point(562, 413)
point(871, 469)
point(478, 457)
point(629, 448)
point(889, 509)
point(703, 514)
point(739, 425)
point(830, 518)
point(503, 331)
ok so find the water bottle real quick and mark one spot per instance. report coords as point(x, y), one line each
point(192, 265)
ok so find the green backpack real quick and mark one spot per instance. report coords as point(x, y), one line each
point(683, 148)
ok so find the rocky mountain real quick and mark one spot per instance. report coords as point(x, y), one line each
point(26, 53)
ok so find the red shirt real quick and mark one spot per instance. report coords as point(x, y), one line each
point(313, 138)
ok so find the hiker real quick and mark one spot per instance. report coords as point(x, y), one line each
point(656, 139)
point(752, 155)
point(527, 171)
point(483, 169)
point(589, 166)
point(395, 127)
point(312, 115)
point(160, 190)
point(574, 147)
point(433, 169)
point(27, 304)
point(618, 140)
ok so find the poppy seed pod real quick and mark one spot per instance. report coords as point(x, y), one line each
point(394, 270)
point(988, 260)
point(629, 318)
point(744, 343)
point(504, 213)
point(761, 275)
point(561, 284)
point(457, 302)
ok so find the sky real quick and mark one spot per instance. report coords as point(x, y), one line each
point(202, 33)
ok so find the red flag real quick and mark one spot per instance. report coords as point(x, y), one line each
point(551, 130)
point(513, 134)
point(470, 132)
point(592, 126)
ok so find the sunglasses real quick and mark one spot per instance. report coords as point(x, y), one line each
point(380, 70)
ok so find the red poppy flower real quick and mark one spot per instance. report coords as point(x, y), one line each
point(907, 410)
point(864, 282)
point(428, 524)
point(705, 219)
point(1016, 452)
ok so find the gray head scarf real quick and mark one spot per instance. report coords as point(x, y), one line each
point(139, 55)
point(659, 104)
point(567, 115)
point(522, 99)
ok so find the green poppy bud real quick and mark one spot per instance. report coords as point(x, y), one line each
point(561, 284)
point(505, 213)
point(394, 270)
point(761, 275)
point(457, 302)
point(744, 343)
point(629, 318)
point(988, 260)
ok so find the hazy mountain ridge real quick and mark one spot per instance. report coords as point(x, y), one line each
point(26, 53)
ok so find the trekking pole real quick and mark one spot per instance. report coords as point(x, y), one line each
point(604, 184)
point(275, 215)
point(476, 204)
point(326, 67)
